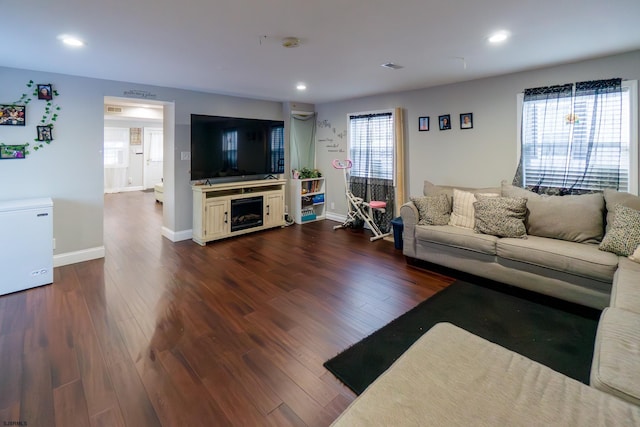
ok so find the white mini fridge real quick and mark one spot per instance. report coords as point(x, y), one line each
point(26, 244)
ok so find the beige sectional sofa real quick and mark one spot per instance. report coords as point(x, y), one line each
point(450, 377)
point(559, 256)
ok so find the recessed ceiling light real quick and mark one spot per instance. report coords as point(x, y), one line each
point(301, 86)
point(71, 41)
point(498, 37)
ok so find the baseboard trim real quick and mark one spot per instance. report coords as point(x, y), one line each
point(78, 256)
point(177, 236)
point(336, 217)
point(124, 189)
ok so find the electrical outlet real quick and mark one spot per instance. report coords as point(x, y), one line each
point(54, 243)
point(185, 155)
point(333, 206)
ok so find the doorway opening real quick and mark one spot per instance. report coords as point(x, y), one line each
point(133, 145)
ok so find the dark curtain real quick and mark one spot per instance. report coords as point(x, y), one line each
point(380, 190)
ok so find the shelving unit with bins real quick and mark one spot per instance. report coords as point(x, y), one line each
point(308, 200)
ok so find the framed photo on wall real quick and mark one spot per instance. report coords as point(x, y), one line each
point(44, 133)
point(13, 151)
point(466, 121)
point(445, 121)
point(423, 123)
point(12, 115)
point(45, 92)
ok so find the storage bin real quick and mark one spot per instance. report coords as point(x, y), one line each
point(397, 225)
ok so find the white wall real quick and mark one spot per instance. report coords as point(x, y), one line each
point(481, 156)
point(70, 170)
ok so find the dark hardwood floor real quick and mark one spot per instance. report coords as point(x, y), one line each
point(175, 334)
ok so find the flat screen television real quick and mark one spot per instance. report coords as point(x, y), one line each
point(235, 149)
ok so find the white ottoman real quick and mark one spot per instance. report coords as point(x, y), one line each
point(158, 189)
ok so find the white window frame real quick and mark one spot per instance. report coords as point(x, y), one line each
point(393, 131)
point(632, 86)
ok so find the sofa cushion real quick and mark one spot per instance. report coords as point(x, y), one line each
point(458, 237)
point(501, 216)
point(580, 259)
point(433, 210)
point(616, 358)
point(556, 216)
point(623, 237)
point(450, 377)
point(625, 293)
point(613, 198)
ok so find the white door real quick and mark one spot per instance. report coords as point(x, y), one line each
point(153, 156)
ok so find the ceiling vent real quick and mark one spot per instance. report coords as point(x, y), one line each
point(113, 109)
point(392, 66)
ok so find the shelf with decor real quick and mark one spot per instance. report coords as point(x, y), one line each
point(308, 200)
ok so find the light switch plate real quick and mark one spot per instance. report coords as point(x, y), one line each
point(185, 155)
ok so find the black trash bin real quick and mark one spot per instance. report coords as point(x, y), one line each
point(397, 232)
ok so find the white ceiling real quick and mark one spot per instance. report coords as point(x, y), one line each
point(234, 46)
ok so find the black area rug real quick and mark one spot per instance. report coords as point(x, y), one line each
point(555, 333)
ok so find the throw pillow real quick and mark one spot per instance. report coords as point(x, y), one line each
point(433, 210)
point(555, 216)
point(613, 198)
point(636, 255)
point(624, 235)
point(463, 213)
point(501, 216)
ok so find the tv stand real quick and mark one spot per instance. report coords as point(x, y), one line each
point(234, 208)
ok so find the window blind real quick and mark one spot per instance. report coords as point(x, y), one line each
point(371, 145)
point(581, 141)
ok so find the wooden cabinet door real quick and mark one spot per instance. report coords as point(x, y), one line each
point(217, 222)
point(273, 209)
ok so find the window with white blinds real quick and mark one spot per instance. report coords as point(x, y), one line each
point(583, 141)
point(371, 145)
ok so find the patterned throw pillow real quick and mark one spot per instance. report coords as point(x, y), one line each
point(623, 237)
point(501, 216)
point(433, 210)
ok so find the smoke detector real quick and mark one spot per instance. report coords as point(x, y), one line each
point(290, 42)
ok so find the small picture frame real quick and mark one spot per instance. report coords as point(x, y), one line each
point(423, 123)
point(45, 133)
point(12, 115)
point(466, 121)
point(13, 151)
point(445, 121)
point(45, 92)
point(135, 136)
